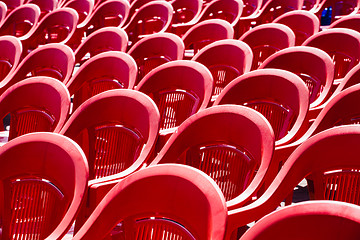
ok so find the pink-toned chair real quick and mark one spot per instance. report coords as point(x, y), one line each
point(160, 202)
point(281, 96)
point(204, 33)
point(267, 39)
point(11, 50)
point(105, 71)
point(155, 50)
point(20, 21)
point(303, 23)
point(309, 220)
point(53, 60)
point(36, 104)
point(46, 6)
point(3, 11)
point(226, 59)
point(103, 40)
point(11, 5)
point(84, 9)
point(312, 65)
point(350, 21)
point(44, 178)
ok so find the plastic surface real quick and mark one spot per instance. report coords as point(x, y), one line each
point(232, 144)
point(20, 21)
point(36, 104)
point(45, 176)
point(186, 14)
point(84, 8)
point(316, 156)
point(105, 71)
point(312, 65)
point(303, 23)
point(53, 60)
point(283, 99)
point(11, 49)
point(226, 59)
point(144, 204)
point(46, 6)
point(329, 11)
point(343, 46)
point(155, 50)
point(102, 40)
point(350, 21)
point(316, 219)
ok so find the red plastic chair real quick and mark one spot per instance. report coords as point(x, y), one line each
point(144, 205)
point(20, 21)
point(267, 39)
point(44, 177)
point(3, 11)
point(329, 11)
point(46, 6)
point(112, 13)
point(281, 96)
point(232, 144)
point(312, 65)
point(317, 157)
point(155, 50)
point(309, 220)
point(102, 40)
point(180, 89)
point(229, 10)
point(56, 27)
point(37, 104)
point(350, 21)
point(12, 4)
point(204, 33)
point(268, 12)
point(117, 130)
point(226, 60)
point(343, 46)
point(135, 5)
point(11, 49)
point(251, 7)
point(105, 71)
point(53, 60)
point(153, 17)
point(350, 79)
point(303, 23)
point(84, 8)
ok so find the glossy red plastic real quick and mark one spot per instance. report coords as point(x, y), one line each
point(186, 14)
point(155, 50)
point(84, 9)
point(281, 96)
point(102, 40)
point(11, 49)
point(105, 71)
point(309, 220)
point(12, 4)
point(343, 46)
point(204, 33)
point(53, 60)
point(46, 6)
point(3, 11)
point(312, 65)
point(303, 23)
point(350, 21)
point(20, 21)
point(161, 202)
point(226, 59)
point(37, 104)
point(153, 17)
point(44, 177)
point(267, 39)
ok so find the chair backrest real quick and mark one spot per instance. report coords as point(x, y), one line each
point(303, 23)
point(350, 79)
point(44, 177)
point(309, 220)
point(102, 40)
point(11, 49)
point(281, 96)
point(105, 71)
point(11, 5)
point(116, 129)
point(349, 21)
point(153, 17)
point(135, 6)
point(226, 59)
point(155, 50)
point(36, 104)
point(145, 205)
point(53, 60)
point(343, 46)
point(229, 10)
point(56, 27)
point(3, 11)
point(20, 21)
point(251, 7)
point(204, 33)
point(331, 157)
point(312, 65)
point(229, 143)
point(46, 6)
point(84, 9)
point(179, 88)
point(186, 11)
point(266, 39)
